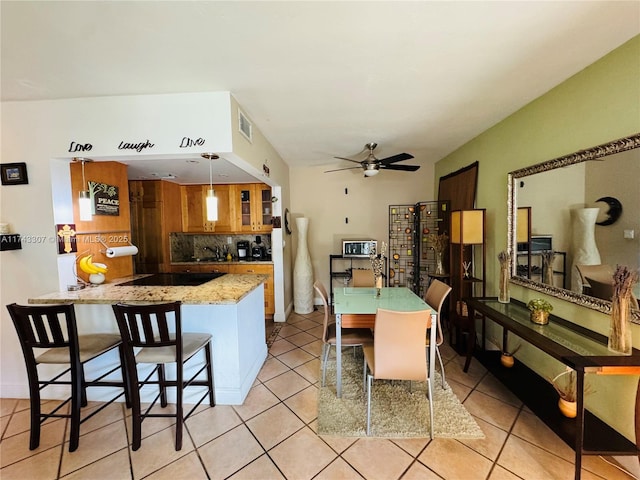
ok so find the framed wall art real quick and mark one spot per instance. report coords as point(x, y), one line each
point(14, 173)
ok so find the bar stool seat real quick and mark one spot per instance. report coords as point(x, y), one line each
point(90, 347)
point(54, 328)
point(152, 334)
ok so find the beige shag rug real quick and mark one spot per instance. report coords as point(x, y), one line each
point(396, 412)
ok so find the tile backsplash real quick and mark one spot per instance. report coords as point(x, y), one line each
point(189, 247)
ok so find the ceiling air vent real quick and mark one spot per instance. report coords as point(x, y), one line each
point(244, 125)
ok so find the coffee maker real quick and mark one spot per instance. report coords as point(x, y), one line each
point(243, 249)
point(258, 251)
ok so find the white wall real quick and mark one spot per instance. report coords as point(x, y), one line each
point(321, 197)
point(40, 134)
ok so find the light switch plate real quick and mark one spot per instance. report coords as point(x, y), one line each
point(630, 234)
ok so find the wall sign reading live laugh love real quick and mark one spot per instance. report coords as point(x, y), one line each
point(138, 147)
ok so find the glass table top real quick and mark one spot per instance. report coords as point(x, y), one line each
point(560, 334)
point(363, 300)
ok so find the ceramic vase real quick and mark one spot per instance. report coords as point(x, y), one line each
point(584, 248)
point(302, 271)
point(620, 331)
point(507, 360)
point(567, 408)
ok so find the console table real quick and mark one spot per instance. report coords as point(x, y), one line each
point(581, 349)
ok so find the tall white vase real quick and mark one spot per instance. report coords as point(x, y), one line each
point(584, 248)
point(302, 271)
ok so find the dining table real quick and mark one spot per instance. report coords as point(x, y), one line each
point(356, 307)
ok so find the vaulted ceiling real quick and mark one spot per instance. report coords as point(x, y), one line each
point(320, 79)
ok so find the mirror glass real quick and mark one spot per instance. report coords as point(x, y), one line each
point(581, 209)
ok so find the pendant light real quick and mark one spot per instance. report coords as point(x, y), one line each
point(211, 200)
point(84, 199)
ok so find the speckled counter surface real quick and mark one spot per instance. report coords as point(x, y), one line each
point(226, 290)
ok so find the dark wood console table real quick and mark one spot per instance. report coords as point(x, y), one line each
point(581, 349)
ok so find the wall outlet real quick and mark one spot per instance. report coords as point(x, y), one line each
point(229, 240)
point(630, 234)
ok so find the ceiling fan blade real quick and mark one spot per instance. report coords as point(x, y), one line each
point(348, 160)
point(405, 168)
point(395, 158)
point(339, 169)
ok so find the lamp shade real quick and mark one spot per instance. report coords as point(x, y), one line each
point(84, 205)
point(523, 225)
point(212, 206)
point(467, 227)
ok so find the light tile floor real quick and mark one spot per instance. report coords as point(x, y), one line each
point(272, 435)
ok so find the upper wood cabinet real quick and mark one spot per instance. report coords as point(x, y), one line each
point(254, 213)
point(155, 212)
point(241, 209)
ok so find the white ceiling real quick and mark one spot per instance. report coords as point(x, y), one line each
point(319, 79)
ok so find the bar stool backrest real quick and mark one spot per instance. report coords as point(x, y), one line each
point(156, 325)
point(45, 326)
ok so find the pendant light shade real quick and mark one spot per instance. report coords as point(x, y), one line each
point(84, 202)
point(84, 198)
point(212, 206)
point(211, 200)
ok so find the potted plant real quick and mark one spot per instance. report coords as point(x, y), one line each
point(506, 353)
point(506, 358)
point(540, 309)
point(565, 385)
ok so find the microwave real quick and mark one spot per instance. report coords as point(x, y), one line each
point(539, 243)
point(358, 248)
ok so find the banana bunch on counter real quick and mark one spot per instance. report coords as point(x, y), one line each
point(87, 266)
point(96, 270)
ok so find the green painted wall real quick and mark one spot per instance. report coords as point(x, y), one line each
point(597, 105)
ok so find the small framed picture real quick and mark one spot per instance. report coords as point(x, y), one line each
point(14, 173)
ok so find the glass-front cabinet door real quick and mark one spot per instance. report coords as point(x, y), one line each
point(254, 207)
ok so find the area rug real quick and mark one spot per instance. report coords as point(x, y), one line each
point(396, 412)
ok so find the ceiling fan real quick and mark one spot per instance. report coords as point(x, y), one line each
point(372, 165)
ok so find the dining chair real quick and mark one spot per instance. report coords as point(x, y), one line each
point(398, 352)
point(602, 273)
point(435, 296)
point(152, 334)
point(351, 337)
point(363, 277)
point(48, 334)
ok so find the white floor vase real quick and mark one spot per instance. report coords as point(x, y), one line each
point(302, 271)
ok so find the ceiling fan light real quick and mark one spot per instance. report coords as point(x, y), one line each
point(370, 170)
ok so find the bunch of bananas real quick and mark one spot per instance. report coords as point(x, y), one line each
point(87, 266)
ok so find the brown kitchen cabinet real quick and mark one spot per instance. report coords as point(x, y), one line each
point(264, 269)
point(185, 269)
point(194, 211)
point(253, 208)
point(155, 212)
point(192, 208)
point(204, 267)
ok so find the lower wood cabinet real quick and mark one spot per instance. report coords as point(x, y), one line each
point(264, 269)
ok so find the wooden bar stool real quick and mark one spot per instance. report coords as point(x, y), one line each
point(53, 327)
point(156, 331)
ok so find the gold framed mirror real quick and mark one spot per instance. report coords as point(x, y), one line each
point(606, 154)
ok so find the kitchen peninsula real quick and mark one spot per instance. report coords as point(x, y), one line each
point(230, 307)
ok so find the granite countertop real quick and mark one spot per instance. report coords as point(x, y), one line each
point(226, 290)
